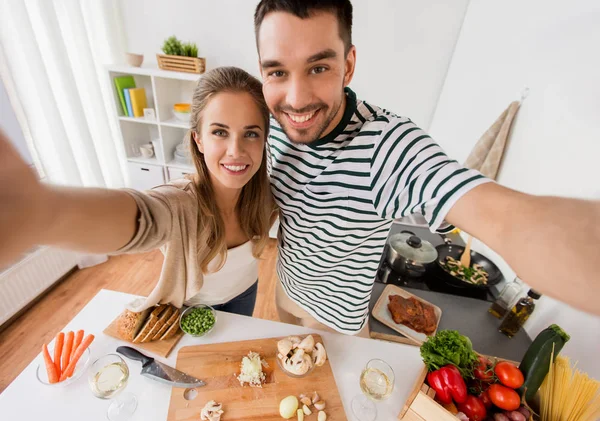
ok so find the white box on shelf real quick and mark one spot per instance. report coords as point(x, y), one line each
point(176, 173)
point(145, 176)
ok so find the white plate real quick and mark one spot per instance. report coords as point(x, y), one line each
point(382, 313)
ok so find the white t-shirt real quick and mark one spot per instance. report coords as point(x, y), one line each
point(239, 273)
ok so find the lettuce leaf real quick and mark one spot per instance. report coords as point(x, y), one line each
point(449, 347)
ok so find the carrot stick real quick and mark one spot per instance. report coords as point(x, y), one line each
point(58, 347)
point(66, 354)
point(50, 366)
point(68, 372)
point(77, 341)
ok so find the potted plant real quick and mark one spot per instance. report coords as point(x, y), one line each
point(181, 57)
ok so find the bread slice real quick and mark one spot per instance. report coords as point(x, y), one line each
point(164, 316)
point(172, 331)
point(172, 320)
point(150, 322)
point(129, 323)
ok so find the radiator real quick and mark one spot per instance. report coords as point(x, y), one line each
point(24, 281)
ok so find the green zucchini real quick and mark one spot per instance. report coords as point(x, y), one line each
point(536, 362)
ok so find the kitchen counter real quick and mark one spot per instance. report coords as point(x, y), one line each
point(467, 315)
point(27, 399)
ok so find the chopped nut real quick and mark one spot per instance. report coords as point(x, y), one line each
point(306, 401)
point(306, 410)
point(320, 405)
point(322, 416)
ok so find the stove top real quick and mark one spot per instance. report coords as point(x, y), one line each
point(429, 281)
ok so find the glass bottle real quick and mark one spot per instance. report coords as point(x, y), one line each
point(506, 299)
point(519, 314)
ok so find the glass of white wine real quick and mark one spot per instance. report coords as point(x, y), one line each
point(108, 377)
point(377, 383)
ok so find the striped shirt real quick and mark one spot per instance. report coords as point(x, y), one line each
point(338, 197)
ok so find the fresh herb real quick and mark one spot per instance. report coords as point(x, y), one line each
point(449, 347)
point(172, 46)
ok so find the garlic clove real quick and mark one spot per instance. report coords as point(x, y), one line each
point(306, 401)
point(306, 410)
point(322, 416)
point(315, 397)
point(320, 405)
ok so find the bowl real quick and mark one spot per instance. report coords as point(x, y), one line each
point(134, 60)
point(80, 368)
point(296, 376)
point(188, 311)
point(182, 116)
point(182, 107)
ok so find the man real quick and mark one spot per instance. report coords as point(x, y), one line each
point(342, 169)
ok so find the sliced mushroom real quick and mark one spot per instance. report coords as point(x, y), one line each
point(211, 412)
point(284, 346)
point(307, 344)
point(319, 355)
point(297, 356)
point(295, 340)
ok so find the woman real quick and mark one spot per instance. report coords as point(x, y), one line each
point(211, 227)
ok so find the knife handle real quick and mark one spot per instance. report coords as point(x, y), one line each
point(134, 354)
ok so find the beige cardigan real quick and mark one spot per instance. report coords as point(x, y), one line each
point(168, 218)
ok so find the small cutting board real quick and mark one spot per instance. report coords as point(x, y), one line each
point(160, 348)
point(219, 364)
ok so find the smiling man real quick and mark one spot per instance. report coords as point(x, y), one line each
point(342, 169)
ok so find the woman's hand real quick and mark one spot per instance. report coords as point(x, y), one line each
point(23, 201)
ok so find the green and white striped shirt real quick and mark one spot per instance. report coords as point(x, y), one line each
point(338, 197)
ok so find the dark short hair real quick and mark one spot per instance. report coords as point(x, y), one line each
point(303, 9)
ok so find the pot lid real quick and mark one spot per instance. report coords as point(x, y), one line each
point(413, 248)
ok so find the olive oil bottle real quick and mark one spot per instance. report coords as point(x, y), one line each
point(519, 314)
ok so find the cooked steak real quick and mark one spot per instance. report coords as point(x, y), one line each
point(412, 313)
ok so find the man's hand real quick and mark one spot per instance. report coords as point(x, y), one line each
point(552, 243)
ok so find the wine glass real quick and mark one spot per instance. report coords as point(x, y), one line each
point(376, 383)
point(108, 377)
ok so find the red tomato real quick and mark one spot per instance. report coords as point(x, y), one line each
point(504, 398)
point(509, 375)
point(473, 408)
point(483, 371)
point(485, 399)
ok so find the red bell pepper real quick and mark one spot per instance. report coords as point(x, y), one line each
point(442, 392)
point(448, 384)
point(455, 382)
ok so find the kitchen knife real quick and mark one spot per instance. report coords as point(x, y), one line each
point(159, 371)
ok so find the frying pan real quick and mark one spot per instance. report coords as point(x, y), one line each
point(456, 251)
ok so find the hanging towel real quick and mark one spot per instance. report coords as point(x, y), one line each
point(487, 154)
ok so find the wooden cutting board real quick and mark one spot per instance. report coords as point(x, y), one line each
point(219, 364)
point(160, 348)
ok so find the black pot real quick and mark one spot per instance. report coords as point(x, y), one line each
point(408, 266)
point(456, 251)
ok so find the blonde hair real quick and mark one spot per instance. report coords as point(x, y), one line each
point(255, 205)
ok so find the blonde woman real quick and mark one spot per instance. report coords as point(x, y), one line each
point(211, 227)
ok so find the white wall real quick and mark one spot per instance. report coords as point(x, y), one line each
point(403, 47)
point(555, 143)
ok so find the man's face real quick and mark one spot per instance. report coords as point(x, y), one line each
point(304, 70)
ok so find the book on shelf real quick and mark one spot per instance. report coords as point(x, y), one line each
point(127, 95)
point(138, 101)
point(122, 83)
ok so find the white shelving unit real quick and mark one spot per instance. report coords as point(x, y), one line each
point(163, 89)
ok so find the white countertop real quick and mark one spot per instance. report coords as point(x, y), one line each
point(27, 399)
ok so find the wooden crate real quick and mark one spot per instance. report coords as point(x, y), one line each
point(181, 63)
point(420, 405)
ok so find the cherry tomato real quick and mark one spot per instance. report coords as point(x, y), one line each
point(483, 370)
point(504, 398)
point(473, 408)
point(509, 375)
point(485, 399)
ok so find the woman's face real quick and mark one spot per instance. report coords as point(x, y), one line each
point(232, 138)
